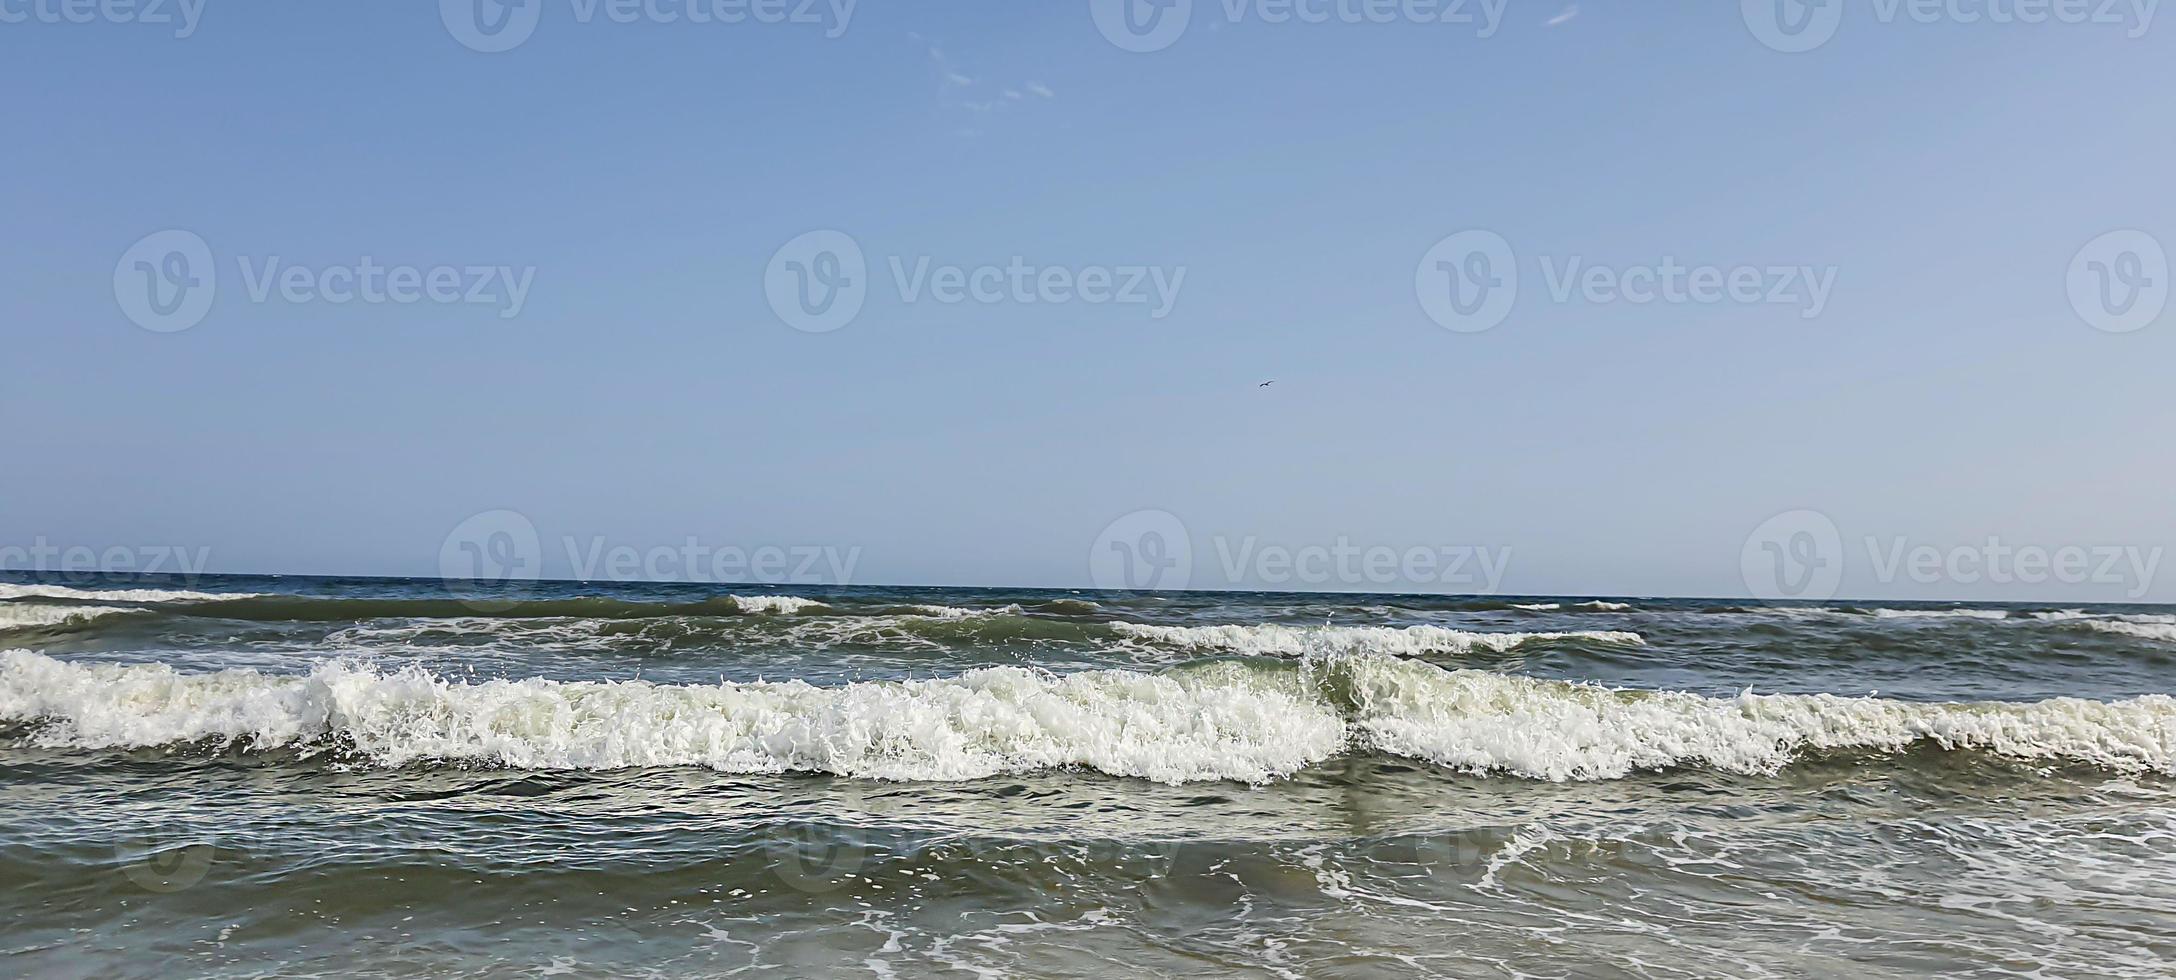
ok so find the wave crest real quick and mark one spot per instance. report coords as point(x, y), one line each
point(1554, 730)
point(1215, 724)
point(1273, 640)
point(1226, 720)
point(29, 615)
point(15, 591)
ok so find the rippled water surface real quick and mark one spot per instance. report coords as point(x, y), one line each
point(250, 776)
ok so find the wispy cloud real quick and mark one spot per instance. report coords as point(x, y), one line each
point(1563, 18)
point(947, 73)
point(960, 90)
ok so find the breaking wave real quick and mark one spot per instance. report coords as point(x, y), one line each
point(1272, 640)
point(1940, 613)
point(773, 604)
point(1225, 720)
point(2141, 627)
point(15, 591)
point(21, 615)
point(290, 608)
point(1214, 724)
point(960, 612)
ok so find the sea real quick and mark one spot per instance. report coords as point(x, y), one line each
point(299, 777)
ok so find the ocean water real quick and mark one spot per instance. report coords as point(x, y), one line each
point(298, 777)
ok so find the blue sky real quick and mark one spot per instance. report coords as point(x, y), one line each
point(1944, 175)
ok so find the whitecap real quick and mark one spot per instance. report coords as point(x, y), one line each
point(1271, 639)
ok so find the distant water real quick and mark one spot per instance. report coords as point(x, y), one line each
point(260, 776)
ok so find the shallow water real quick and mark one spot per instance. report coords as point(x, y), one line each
point(326, 776)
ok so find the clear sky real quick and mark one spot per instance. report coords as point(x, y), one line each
point(640, 177)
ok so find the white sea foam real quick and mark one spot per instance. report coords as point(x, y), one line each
point(775, 605)
point(1537, 606)
point(2149, 626)
point(2142, 630)
point(1214, 722)
point(15, 591)
point(1485, 722)
point(1942, 613)
point(16, 615)
point(1229, 723)
point(959, 612)
point(1601, 606)
point(2077, 614)
point(1273, 640)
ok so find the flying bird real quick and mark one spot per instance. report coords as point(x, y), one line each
point(1265, 384)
